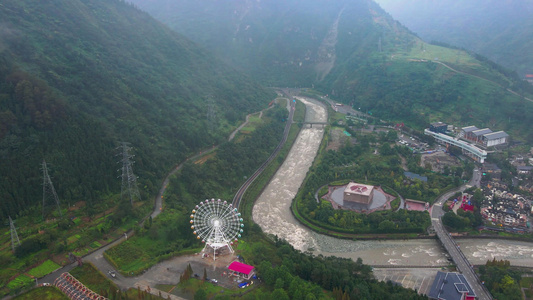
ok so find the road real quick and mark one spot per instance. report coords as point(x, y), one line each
point(479, 77)
point(238, 196)
point(451, 246)
point(97, 257)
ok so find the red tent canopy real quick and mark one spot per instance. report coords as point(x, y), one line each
point(240, 267)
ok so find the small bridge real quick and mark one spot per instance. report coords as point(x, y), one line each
point(323, 124)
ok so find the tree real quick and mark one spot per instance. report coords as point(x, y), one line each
point(279, 294)
point(201, 294)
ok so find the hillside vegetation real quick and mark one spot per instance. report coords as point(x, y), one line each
point(499, 30)
point(77, 77)
point(359, 55)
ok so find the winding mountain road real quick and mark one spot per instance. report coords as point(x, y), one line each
point(97, 257)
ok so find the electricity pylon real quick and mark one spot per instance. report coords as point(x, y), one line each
point(14, 236)
point(48, 188)
point(129, 187)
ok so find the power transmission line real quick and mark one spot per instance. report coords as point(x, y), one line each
point(48, 189)
point(129, 189)
point(14, 236)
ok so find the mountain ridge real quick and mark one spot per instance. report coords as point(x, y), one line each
point(379, 65)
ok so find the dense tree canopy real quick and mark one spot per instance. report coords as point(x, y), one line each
point(77, 77)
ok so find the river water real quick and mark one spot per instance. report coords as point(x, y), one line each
point(272, 213)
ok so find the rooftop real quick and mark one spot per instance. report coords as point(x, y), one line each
point(358, 188)
point(240, 267)
point(450, 286)
point(412, 175)
point(469, 128)
point(496, 135)
point(481, 132)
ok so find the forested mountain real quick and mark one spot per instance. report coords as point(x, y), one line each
point(499, 30)
point(358, 54)
point(77, 77)
point(281, 42)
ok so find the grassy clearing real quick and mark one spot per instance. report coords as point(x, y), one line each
point(93, 279)
point(45, 268)
point(165, 287)
point(188, 288)
point(253, 122)
point(149, 247)
point(426, 51)
point(20, 282)
point(43, 293)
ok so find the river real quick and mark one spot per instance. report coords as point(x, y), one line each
point(272, 213)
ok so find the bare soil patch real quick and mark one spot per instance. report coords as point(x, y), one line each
point(438, 160)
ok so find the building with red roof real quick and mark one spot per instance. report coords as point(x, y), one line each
point(243, 270)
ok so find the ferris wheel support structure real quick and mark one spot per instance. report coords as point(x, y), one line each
point(217, 223)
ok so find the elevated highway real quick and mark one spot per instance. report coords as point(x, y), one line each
point(477, 153)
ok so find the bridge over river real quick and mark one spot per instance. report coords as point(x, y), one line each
point(460, 260)
point(272, 213)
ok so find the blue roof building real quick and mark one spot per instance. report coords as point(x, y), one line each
point(451, 286)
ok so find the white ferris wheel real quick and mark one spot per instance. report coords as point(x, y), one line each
point(217, 223)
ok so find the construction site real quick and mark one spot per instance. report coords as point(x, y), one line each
point(438, 160)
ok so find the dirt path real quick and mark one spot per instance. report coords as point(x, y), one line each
point(157, 274)
point(460, 72)
point(232, 135)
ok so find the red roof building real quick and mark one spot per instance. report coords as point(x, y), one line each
point(240, 269)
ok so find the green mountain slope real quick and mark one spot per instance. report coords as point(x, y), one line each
point(358, 54)
point(76, 77)
point(499, 30)
point(279, 42)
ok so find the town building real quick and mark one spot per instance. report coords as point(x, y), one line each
point(524, 169)
point(242, 270)
point(477, 135)
point(412, 175)
point(529, 78)
point(438, 127)
point(492, 170)
point(495, 138)
point(466, 132)
point(358, 193)
point(451, 286)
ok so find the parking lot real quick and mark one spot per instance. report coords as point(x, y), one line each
point(414, 278)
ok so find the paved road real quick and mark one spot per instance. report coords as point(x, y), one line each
point(238, 196)
point(451, 246)
point(97, 257)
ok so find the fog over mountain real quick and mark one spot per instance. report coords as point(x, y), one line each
point(501, 30)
